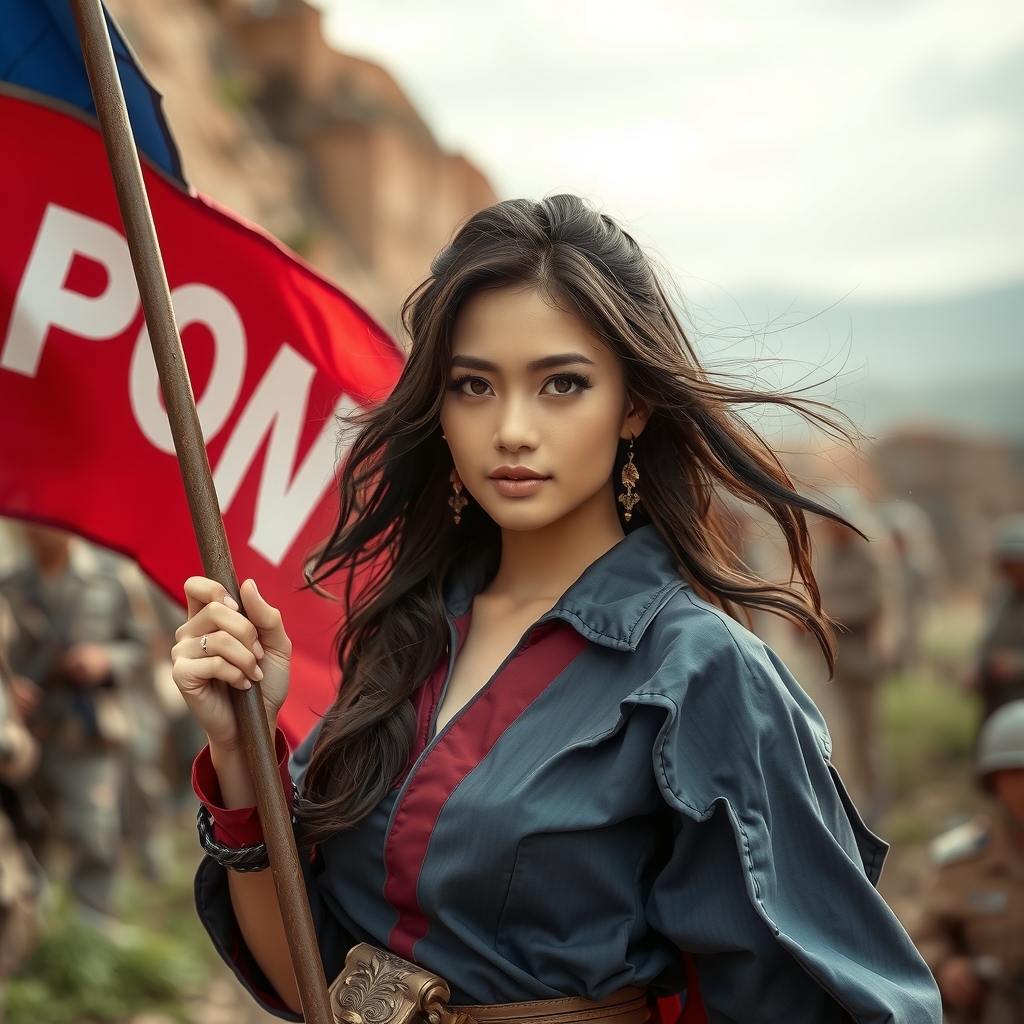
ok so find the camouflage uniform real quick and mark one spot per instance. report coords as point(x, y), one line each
point(1004, 637)
point(975, 908)
point(147, 795)
point(850, 580)
point(20, 877)
point(1001, 658)
point(84, 730)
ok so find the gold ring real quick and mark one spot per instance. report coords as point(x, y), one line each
point(204, 645)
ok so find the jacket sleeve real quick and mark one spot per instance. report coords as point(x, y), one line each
point(213, 904)
point(770, 883)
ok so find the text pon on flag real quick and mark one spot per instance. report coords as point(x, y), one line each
point(275, 352)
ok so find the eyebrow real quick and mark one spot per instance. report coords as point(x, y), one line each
point(547, 363)
point(563, 359)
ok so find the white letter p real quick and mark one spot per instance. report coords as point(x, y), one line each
point(43, 301)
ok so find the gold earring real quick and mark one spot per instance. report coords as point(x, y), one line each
point(457, 502)
point(630, 478)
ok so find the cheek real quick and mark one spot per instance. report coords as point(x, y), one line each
point(445, 417)
point(456, 425)
point(597, 418)
point(585, 442)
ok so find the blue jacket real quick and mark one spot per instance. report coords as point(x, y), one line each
point(643, 776)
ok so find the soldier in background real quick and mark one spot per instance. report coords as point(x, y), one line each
point(187, 738)
point(972, 931)
point(10, 549)
point(917, 565)
point(147, 794)
point(20, 876)
point(78, 649)
point(1000, 672)
point(851, 583)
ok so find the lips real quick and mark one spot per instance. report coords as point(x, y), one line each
point(517, 481)
point(516, 473)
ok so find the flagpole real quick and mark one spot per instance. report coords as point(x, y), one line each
point(204, 507)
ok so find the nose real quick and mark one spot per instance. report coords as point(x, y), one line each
point(515, 430)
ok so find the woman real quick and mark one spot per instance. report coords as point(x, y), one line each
point(557, 766)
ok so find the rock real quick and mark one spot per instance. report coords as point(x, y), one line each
point(322, 149)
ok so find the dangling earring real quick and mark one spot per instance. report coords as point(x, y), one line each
point(630, 477)
point(457, 502)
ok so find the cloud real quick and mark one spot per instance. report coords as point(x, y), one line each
point(793, 145)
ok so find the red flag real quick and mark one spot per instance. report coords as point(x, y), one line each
point(274, 351)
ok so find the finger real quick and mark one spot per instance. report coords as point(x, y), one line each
point(266, 618)
point(222, 645)
point(193, 675)
point(200, 591)
point(214, 617)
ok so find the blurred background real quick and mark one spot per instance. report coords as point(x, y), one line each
point(835, 190)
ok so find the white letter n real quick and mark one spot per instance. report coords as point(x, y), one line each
point(284, 501)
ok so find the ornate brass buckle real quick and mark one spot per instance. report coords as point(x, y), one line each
point(377, 987)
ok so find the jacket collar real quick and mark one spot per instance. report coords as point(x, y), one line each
point(612, 603)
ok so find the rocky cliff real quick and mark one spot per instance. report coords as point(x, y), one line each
point(321, 148)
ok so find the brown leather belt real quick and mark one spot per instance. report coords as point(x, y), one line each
point(627, 1006)
point(377, 987)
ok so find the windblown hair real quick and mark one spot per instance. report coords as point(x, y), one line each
point(395, 544)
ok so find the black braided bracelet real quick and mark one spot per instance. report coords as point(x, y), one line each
point(235, 858)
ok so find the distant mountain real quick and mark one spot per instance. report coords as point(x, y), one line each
point(993, 405)
point(957, 361)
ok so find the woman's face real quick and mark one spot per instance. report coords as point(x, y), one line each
point(535, 408)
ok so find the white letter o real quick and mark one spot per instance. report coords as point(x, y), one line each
point(193, 303)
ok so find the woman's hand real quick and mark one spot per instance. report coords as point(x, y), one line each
point(238, 649)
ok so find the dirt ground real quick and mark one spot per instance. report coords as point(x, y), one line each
point(226, 1002)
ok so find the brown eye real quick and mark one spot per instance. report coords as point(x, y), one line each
point(476, 387)
point(566, 384)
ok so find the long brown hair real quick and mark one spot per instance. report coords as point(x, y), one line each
point(395, 543)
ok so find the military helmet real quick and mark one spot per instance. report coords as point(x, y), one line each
point(1001, 743)
point(1009, 541)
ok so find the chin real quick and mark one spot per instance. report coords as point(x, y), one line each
point(524, 518)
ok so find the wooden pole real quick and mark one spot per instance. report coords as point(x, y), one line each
point(202, 497)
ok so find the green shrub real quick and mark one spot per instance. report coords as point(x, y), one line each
point(159, 957)
point(928, 724)
point(78, 973)
point(234, 90)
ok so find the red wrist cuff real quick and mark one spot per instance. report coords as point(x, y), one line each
point(241, 825)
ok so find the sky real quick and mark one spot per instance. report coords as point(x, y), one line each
point(812, 148)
